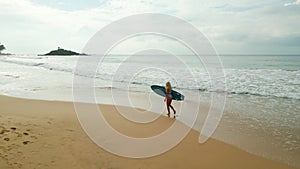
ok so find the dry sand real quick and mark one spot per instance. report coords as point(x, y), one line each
point(47, 134)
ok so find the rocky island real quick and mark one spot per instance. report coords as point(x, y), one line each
point(2, 47)
point(62, 52)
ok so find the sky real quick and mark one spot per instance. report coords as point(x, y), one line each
point(233, 27)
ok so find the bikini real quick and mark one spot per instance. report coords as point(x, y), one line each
point(170, 95)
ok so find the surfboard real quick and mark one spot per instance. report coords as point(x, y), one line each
point(161, 90)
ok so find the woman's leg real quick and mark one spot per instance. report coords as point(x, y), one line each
point(172, 108)
point(168, 102)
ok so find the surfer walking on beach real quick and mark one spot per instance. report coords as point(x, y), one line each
point(168, 98)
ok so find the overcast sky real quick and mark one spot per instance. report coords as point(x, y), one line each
point(233, 27)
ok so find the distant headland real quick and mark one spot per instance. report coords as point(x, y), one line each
point(62, 52)
point(2, 47)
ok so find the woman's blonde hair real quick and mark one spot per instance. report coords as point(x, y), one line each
point(168, 86)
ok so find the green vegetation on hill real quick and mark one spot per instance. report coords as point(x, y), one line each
point(2, 47)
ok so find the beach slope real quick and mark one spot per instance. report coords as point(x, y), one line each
point(47, 134)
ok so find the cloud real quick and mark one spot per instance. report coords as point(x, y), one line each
point(232, 8)
point(297, 2)
point(37, 27)
point(70, 5)
point(44, 26)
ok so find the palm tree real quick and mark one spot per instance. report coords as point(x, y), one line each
point(2, 47)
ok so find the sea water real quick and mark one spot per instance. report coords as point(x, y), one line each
point(262, 112)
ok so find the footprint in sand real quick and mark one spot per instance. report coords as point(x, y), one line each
point(16, 134)
point(33, 137)
point(4, 131)
point(26, 142)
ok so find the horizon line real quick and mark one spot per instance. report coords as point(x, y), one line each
point(223, 54)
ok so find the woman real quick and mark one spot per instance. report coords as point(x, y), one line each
point(168, 98)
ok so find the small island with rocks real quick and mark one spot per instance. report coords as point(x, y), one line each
point(2, 47)
point(62, 52)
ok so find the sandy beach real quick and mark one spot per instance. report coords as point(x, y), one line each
point(89, 84)
point(47, 134)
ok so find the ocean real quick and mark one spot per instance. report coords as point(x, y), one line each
point(262, 111)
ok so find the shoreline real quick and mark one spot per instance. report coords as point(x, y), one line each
point(251, 130)
point(55, 139)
